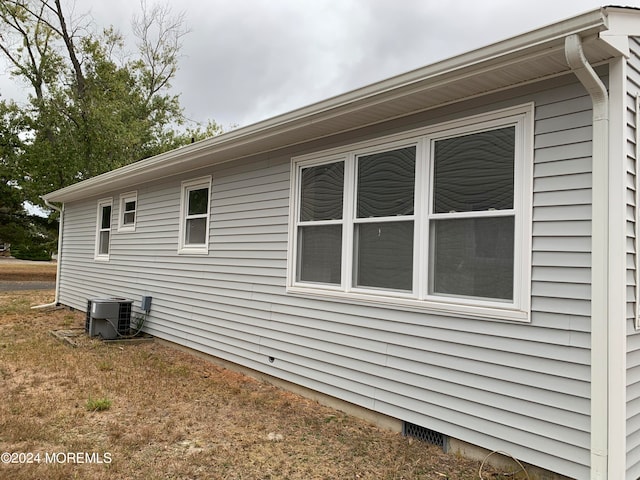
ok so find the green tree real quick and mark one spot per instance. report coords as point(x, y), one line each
point(91, 108)
point(13, 224)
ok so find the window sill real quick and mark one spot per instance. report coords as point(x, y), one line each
point(101, 258)
point(484, 312)
point(193, 251)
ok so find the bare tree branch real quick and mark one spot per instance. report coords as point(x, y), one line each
point(71, 49)
point(33, 36)
point(160, 35)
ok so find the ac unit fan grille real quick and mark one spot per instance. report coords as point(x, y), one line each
point(124, 318)
point(87, 321)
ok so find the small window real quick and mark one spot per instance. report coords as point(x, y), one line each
point(194, 216)
point(103, 229)
point(128, 212)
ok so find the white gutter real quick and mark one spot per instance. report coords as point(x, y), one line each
point(280, 131)
point(55, 302)
point(599, 257)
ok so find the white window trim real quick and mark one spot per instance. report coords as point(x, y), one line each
point(124, 199)
point(187, 186)
point(101, 204)
point(419, 300)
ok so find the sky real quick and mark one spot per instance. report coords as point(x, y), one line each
point(244, 61)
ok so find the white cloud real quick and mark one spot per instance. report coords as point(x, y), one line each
point(249, 60)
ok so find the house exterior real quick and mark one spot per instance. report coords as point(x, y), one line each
point(454, 247)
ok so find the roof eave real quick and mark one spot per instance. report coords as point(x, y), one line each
point(277, 132)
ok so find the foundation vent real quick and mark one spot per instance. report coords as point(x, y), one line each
point(424, 434)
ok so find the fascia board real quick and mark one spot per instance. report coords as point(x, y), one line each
point(623, 23)
point(183, 159)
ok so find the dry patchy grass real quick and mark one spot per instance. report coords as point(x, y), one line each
point(175, 416)
point(27, 271)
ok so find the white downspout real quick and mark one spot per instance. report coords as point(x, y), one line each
point(59, 262)
point(599, 257)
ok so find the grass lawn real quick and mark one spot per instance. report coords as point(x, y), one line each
point(148, 411)
point(27, 271)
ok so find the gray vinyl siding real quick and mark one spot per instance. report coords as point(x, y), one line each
point(522, 388)
point(633, 339)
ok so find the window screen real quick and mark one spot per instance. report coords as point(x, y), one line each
point(472, 231)
point(320, 230)
point(386, 183)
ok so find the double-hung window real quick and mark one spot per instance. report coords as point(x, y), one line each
point(103, 229)
point(431, 219)
point(472, 215)
point(194, 216)
point(320, 223)
point(128, 209)
point(383, 220)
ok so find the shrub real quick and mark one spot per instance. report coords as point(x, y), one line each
point(30, 252)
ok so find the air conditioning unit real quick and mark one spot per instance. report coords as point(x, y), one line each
point(108, 318)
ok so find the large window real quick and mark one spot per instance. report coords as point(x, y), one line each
point(103, 229)
point(437, 218)
point(194, 216)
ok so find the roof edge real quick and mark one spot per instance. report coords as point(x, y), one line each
point(593, 22)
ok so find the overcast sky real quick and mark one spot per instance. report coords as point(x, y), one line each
point(248, 60)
